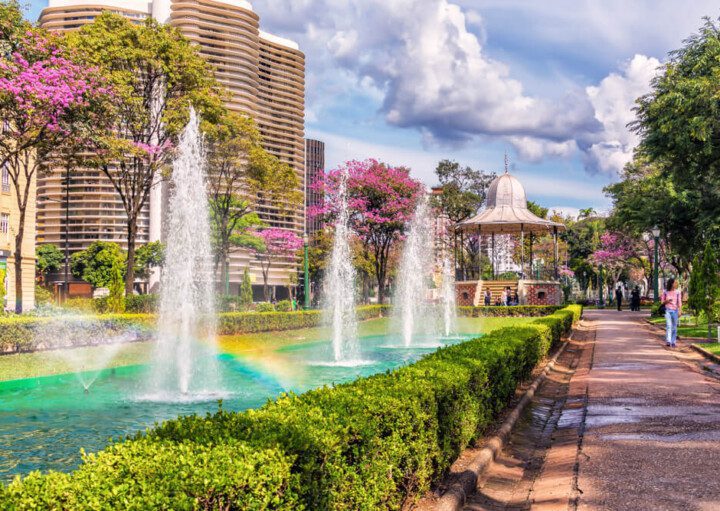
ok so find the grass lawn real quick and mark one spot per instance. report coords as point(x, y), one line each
point(46, 363)
point(687, 326)
point(713, 347)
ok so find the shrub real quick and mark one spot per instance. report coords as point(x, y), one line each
point(42, 296)
point(284, 306)
point(503, 311)
point(264, 307)
point(369, 444)
point(163, 475)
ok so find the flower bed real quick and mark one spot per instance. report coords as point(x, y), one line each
point(369, 444)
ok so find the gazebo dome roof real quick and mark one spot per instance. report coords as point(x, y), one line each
point(506, 211)
point(506, 190)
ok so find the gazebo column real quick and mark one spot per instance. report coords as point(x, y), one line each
point(479, 254)
point(462, 256)
point(532, 238)
point(493, 256)
point(522, 251)
point(555, 239)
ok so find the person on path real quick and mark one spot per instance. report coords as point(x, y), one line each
point(635, 299)
point(619, 297)
point(672, 300)
point(488, 298)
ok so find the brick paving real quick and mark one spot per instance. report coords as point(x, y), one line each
point(622, 423)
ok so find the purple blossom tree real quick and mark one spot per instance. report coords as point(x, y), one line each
point(616, 253)
point(277, 245)
point(47, 100)
point(381, 200)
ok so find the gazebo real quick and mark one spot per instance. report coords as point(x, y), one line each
point(506, 213)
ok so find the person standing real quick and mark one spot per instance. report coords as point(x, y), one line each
point(635, 299)
point(504, 297)
point(672, 300)
point(619, 297)
point(488, 298)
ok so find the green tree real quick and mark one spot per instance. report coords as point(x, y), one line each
point(646, 197)
point(463, 189)
point(48, 258)
point(705, 287)
point(95, 264)
point(116, 286)
point(537, 209)
point(679, 126)
point(246, 291)
point(157, 76)
point(149, 256)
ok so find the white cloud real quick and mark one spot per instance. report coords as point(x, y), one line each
point(422, 67)
point(613, 100)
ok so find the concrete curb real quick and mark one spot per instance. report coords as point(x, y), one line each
point(455, 496)
point(705, 353)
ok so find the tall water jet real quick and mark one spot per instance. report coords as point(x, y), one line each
point(339, 287)
point(184, 361)
point(447, 297)
point(413, 312)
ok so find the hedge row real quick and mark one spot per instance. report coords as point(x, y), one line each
point(366, 445)
point(505, 311)
point(230, 323)
point(34, 333)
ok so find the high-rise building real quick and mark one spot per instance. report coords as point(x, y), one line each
point(314, 173)
point(265, 77)
point(9, 223)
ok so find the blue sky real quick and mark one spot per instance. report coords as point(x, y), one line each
point(414, 81)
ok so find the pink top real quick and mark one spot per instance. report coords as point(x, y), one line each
point(672, 300)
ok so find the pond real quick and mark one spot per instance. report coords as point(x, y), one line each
point(45, 420)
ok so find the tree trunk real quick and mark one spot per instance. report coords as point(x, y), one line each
point(130, 268)
point(18, 273)
point(381, 290)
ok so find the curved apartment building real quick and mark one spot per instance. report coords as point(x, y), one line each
point(265, 78)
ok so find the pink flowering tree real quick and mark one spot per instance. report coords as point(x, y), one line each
point(616, 253)
point(48, 101)
point(278, 245)
point(381, 199)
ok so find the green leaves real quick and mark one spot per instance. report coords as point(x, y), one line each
point(96, 264)
point(48, 258)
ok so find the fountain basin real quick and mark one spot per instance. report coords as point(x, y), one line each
point(45, 421)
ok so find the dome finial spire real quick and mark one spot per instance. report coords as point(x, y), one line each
point(507, 163)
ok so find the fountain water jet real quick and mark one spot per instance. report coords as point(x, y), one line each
point(447, 297)
point(413, 312)
point(184, 363)
point(339, 288)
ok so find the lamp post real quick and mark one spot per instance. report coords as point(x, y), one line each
point(307, 271)
point(656, 277)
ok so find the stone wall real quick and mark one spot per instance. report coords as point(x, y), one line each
point(465, 293)
point(535, 292)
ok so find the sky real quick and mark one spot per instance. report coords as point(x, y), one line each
point(553, 83)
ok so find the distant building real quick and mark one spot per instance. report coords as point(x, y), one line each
point(265, 76)
point(314, 173)
point(9, 223)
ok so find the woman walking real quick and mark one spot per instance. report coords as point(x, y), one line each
point(672, 300)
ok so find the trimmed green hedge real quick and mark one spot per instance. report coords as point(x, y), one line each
point(369, 444)
point(18, 333)
point(505, 311)
point(32, 333)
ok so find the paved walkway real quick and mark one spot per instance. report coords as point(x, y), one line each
point(622, 424)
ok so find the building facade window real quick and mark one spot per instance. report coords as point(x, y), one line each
point(5, 179)
point(4, 223)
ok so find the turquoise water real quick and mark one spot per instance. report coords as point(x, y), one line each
point(45, 421)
